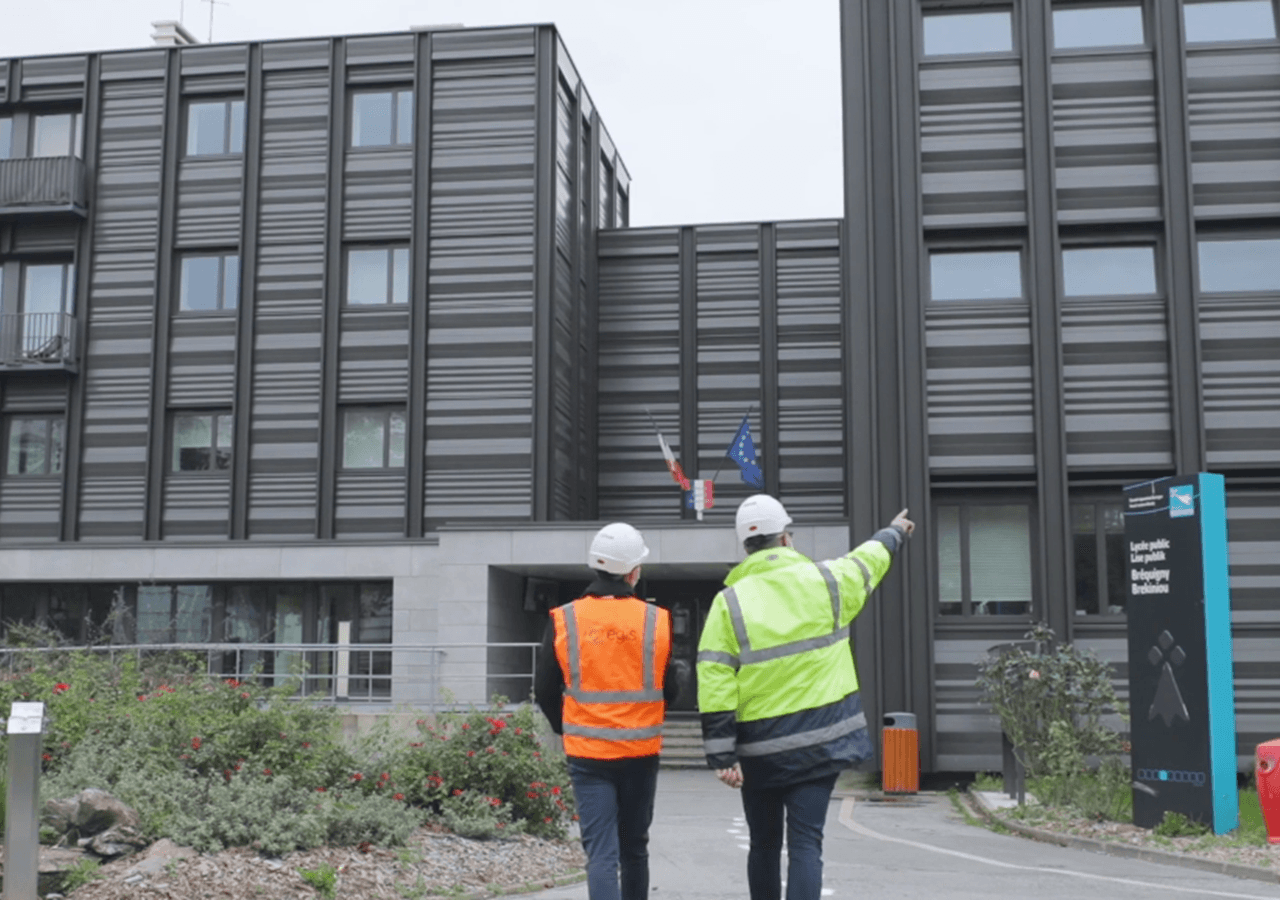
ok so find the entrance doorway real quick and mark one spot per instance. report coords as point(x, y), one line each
point(689, 601)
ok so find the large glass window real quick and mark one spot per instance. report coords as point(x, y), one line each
point(1108, 271)
point(952, 34)
point(209, 283)
point(373, 439)
point(1079, 27)
point(215, 127)
point(55, 134)
point(1239, 266)
point(376, 276)
point(6, 137)
point(47, 296)
point(1097, 535)
point(980, 275)
point(174, 613)
point(984, 559)
point(35, 445)
point(1229, 20)
point(382, 118)
point(201, 442)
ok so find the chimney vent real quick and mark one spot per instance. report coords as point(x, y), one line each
point(171, 34)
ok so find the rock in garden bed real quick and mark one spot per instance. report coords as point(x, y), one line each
point(430, 862)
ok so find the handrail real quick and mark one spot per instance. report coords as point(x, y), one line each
point(37, 339)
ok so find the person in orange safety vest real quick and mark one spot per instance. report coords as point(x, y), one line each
point(603, 681)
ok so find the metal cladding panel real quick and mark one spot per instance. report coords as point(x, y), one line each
point(118, 352)
point(373, 355)
point(33, 392)
point(810, 372)
point(639, 309)
point(59, 238)
point(1106, 153)
point(220, 59)
point(1240, 371)
point(979, 388)
point(1115, 382)
point(489, 43)
point(370, 504)
point(209, 196)
point(972, 155)
point(382, 49)
point(729, 353)
point(1253, 527)
point(1234, 120)
point(289, 304)
point(1257, 688)
point(133, 64)
point(564, 312)
point(967, 733)
point(196, 507)
point(202, 358)
point(54, 78)
point(377, 195)
point(480, 355)
point(4, 79)
point(295, 55)
point(30, 509)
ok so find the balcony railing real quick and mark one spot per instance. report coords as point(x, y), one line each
point(38, 340)
point(42, 185)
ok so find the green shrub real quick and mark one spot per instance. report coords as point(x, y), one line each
point(375, 818)
point(323, 878)
point(81, 873)
point(1175, 824)
point(471, 814)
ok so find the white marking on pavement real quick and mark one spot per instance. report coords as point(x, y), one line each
point(846, 819)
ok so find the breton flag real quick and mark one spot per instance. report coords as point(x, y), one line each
point(743, 452)
point(673, 465)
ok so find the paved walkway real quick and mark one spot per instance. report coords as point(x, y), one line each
point(908, 849)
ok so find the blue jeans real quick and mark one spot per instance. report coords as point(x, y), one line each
point(805, 805)
point(615, 807)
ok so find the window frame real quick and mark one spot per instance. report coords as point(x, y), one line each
point(215, 416)
point(395, 91)
point(1069, 243)
point(390, 250)
point(1227, 237)
point(954, 249)
point(1190, 43)
point(1098, 501)
point(228, 126)
point(938, 10)
point(384, 412)
point(6, 136)
point(1057, 6)
point(49, 419)
point(965, 502)
point(222, 256)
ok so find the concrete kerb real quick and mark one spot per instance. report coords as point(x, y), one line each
point(990, 814)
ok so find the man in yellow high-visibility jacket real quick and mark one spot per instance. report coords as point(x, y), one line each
point(777, 688)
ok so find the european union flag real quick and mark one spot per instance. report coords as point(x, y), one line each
point(743, 452)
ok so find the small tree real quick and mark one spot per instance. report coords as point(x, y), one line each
point(1051, 699)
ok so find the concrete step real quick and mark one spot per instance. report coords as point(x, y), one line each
point(682, 744)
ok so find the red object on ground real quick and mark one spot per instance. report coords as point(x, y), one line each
point(900, 749)
point(1269, 787)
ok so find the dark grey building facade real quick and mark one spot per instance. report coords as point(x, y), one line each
point(348, 340)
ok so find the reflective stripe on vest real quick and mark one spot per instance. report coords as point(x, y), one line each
point(804, 738)
point(574, 689)
point(747, 656)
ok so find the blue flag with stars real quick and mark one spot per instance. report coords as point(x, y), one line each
point(743, 452)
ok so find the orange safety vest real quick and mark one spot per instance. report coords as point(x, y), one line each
point(613, 654)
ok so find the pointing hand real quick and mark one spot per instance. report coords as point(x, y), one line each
point(903, 524)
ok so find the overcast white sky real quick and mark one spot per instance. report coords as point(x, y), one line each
point(724, 110)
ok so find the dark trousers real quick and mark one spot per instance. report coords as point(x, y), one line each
point(805, 808)
point(615, 807)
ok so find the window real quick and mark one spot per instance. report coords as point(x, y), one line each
point(201, 442)
point(1108, 271)
point(6, 137)
point(1229, 20)
point(373, 439)
point(984, 559)
point(1239, 266)
point(215, 127)
point(953, 34)
point(174, 613)
point(1079, 27)
point(378, 276)
point(209, 283)
point(382, 119)
point(47, 296)
point(985, 275)
point(35, 445)
point(1097, 536)
point(55, 134)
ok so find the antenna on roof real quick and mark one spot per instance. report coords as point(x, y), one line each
point(212, 4)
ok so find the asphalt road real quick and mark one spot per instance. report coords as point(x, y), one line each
point(913, 849)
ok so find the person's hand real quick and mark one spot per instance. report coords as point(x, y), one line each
point(903, 524)
point(731, 776)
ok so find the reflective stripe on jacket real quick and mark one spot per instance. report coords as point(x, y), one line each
point(777, 688)
point(613, 654)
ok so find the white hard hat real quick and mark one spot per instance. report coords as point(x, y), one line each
point(617, 549)
point(761, 514)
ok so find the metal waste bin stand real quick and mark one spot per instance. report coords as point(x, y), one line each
point(1269, 787)
point(900, 750)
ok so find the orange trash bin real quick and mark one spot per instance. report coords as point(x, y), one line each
point(900, 752)
point(1269, 787)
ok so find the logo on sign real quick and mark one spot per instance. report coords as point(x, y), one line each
point(1182, 501)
